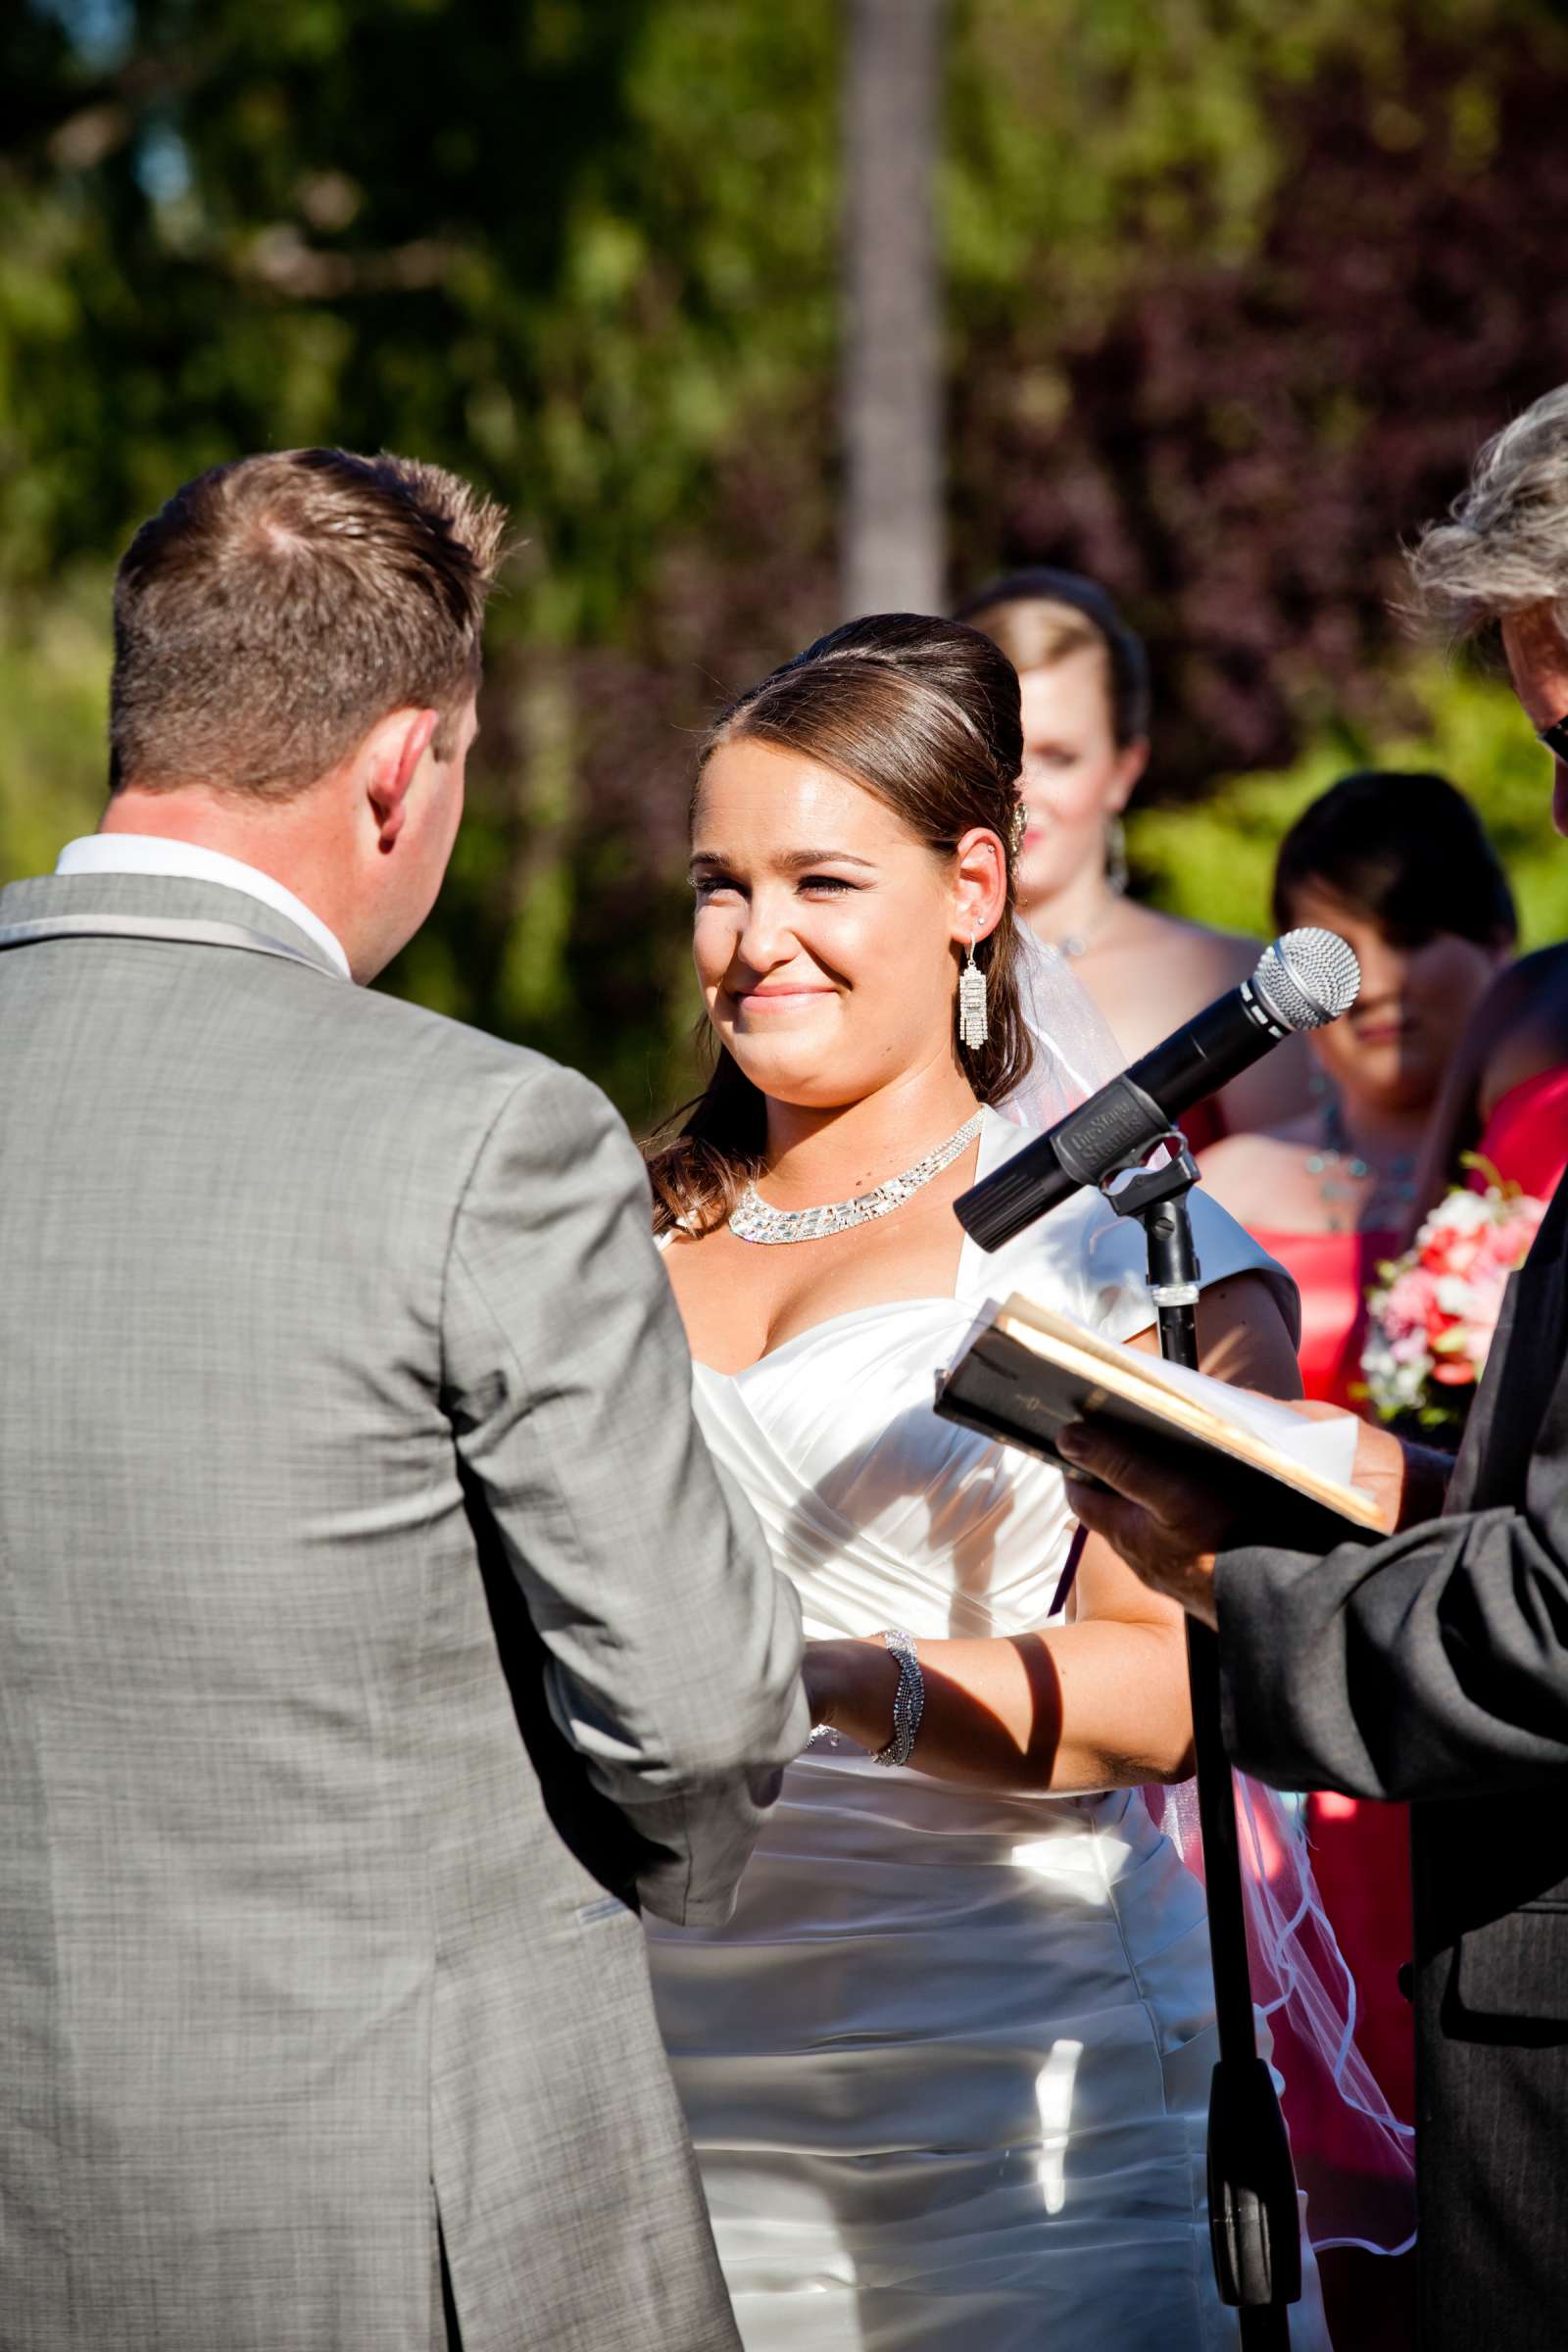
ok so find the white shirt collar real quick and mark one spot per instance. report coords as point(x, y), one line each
point(183, 860)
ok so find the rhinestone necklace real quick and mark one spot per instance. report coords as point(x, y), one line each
point(1336, 1159)
point(752, 1220)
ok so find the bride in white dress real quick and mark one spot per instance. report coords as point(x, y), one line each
point(947, 2070)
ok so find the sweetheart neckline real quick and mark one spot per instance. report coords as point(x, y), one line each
point(968, 1248)
point(848, 1314)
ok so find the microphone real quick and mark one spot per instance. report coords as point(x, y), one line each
point(1303, 981)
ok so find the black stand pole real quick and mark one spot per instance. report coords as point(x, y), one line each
point(1252, 2217)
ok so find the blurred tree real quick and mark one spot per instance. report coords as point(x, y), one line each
point(1213, 858)
point(582, 250)
point(1234, 293)
point(1228, 353)
point(891, 364)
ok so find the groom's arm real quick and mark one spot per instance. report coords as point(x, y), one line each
point(677, 1644)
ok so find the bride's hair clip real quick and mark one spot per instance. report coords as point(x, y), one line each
point(1017, 826)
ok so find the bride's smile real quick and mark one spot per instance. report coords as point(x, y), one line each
point(776, 1000)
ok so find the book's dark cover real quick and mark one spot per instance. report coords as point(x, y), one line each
point(1005, 1390)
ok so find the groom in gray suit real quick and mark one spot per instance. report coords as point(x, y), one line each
point(375, 1633)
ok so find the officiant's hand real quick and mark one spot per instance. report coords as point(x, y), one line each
point(1167, 1524)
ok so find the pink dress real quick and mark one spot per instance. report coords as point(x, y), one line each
point(1361, 1849)
point(1526, 1138)
point(1332, 1272)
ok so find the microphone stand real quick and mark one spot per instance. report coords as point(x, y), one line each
point(1253, 2224)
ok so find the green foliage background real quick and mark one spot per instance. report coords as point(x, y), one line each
point(1234, 292)
point(1213, 858)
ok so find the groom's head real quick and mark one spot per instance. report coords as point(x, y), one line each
point(297, 648)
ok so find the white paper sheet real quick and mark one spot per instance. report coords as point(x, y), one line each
point(1327, 1447)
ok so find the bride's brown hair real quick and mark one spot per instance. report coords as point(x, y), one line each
point(923, 714)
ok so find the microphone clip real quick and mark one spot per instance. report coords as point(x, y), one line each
point(1158, 1198)
point(1134, 1189)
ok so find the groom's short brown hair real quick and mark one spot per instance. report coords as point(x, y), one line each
point(277, 608)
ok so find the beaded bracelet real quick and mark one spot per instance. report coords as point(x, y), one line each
point(909, 1700)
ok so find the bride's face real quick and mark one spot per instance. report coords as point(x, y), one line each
point(824, 928)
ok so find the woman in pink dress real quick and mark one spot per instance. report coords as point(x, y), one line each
point(1506, 1098)
point(1400, 867)
point(1084, 680)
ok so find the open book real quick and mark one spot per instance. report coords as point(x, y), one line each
point(1024, 1371)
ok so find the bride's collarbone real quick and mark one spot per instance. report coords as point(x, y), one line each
point(741, 1300)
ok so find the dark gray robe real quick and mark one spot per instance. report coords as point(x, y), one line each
point(1434, 1667)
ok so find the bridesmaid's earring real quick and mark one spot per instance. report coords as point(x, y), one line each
point(974, 1027)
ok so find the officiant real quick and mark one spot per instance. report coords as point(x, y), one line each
point(1433, 1665)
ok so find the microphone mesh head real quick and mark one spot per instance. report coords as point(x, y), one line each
point(1307, 978)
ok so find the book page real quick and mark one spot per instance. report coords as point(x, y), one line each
point(1326, 1447)
point(1323, 1448)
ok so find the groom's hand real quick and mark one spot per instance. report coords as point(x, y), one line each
point(1164, 1522)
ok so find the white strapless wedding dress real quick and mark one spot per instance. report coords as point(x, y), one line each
point(947, 2070)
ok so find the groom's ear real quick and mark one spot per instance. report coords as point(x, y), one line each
point(390, 758)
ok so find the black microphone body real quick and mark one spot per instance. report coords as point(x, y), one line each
point(1125, 1118)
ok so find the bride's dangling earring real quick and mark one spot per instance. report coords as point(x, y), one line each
point(1116, 874)
point(974, 1026)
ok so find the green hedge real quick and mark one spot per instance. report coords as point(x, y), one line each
point(1213, 859)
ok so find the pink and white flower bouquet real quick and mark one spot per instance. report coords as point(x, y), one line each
point(1432, 1312)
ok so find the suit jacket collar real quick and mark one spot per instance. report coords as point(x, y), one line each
point(152, 896)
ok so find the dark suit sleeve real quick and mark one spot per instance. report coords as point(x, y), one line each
point(674, 1644)
point(1432, 1665)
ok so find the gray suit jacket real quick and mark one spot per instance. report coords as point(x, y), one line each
point(373, 1629)
point(1435, 1666)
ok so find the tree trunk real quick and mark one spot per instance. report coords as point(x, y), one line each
point(891, 387)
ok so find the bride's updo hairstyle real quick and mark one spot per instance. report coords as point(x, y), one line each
point(923, 714)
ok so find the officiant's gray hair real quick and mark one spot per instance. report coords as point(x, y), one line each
point(1503, 546)
point(277, 608)
point(923, 714)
